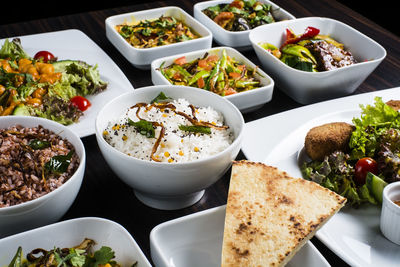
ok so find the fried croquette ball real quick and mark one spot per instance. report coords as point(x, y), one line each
point(328, 138)
point(394, 104)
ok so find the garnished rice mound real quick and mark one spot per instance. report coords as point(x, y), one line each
point(33, 162)
point(182, 132)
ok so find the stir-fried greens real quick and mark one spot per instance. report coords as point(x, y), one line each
point(152, 33)
point(311, 51)
point(82, 255)
point(31, 86)
point(375, 143)
point(240, 15)
point(221, 75)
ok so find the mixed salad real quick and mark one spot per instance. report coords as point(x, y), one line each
point(152, 33)
point(240, 15)
point(311, 51)
point(221, 75)
point(82, 255)
point(43, 86)
point(373, 160)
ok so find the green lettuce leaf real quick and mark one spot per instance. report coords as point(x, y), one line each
point(13, 50)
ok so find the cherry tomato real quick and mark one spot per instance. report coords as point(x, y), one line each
point(80, 102)
point(363, 166)
point(44, 55)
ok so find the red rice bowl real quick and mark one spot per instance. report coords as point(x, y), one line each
point(23, 172)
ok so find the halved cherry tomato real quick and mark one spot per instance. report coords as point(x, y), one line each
point(80, 102)
point(180, 61)
point(362, 167)
point(44, 55)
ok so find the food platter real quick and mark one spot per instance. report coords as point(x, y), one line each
point(196, 240)
point(74, 44)
point(353, 234)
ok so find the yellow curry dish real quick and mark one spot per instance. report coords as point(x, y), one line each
point(158, 32)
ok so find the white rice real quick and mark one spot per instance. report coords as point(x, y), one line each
point(177, 145)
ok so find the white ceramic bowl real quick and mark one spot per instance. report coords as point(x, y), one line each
point(307, 87)
point(71, 233)
point(390, 215)
point(244, 101)
point(239, 40)
point(169, 185)
point(142, 57)
point(52, 206)
point(195, 240)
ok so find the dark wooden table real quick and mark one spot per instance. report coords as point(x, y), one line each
point(102, 193)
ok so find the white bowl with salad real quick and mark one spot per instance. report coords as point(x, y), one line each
point(222, 70)
point(143, 36)
point(314, 59)
point(231, 21)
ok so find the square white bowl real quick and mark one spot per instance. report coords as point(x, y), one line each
point(71, 233)
point(195, 240)
point(245, 101)
point(308, 87)
point(239, 40)
point(142, 57)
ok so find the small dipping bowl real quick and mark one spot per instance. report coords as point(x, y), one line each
point(390, 215)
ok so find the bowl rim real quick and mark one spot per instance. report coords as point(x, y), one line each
point(213, 2)
point(321, 73)
point(111, 26)
point(245, 61)
point(388, 201)
point(236, 142)
point(82, 162)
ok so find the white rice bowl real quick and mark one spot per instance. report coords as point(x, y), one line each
point(176, 145)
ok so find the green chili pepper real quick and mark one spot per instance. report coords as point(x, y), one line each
point(198, 75)
point(182, 71)
point(243, 84)
point(299, 51)
point(17, 260)
point(195, 129)
point(213, 75)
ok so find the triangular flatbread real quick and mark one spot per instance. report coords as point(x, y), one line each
point(270, 215)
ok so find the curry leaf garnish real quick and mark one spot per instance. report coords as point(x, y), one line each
point(160, 98)
point(38, 144)
point(59, 163)
point(143, 127)
point(195, 129)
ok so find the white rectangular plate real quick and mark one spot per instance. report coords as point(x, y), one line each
point(71, 233)
point(195, 240)
point(353, 234)
point(74, 44)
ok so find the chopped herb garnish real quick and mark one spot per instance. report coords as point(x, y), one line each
point(143, 127)
point(59, 163)
point(195, 129)
point(160, 98)
point(39, 144)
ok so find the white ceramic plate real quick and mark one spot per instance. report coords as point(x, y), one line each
point(195, 240)
point(74, 44)
point(352, 234)
point(245, 101)
point(71, 233)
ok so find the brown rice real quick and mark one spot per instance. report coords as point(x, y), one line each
point(23, 172)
